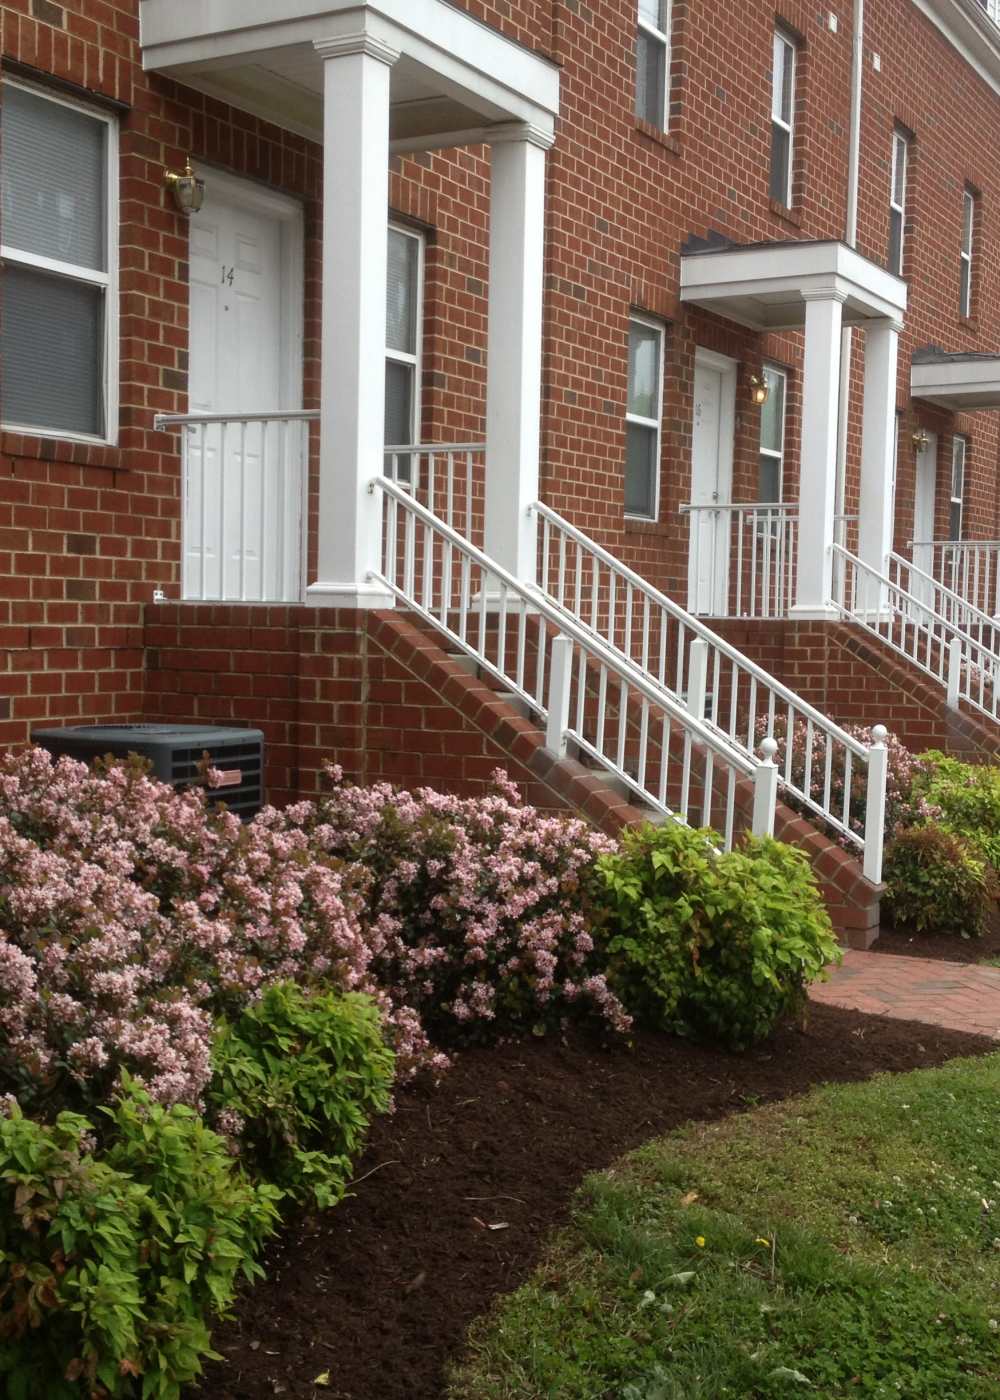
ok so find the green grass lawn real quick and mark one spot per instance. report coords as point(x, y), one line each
point(842, 1244)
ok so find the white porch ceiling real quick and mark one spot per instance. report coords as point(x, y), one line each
point(766, 285)
point(959, 383)
point(455, 77)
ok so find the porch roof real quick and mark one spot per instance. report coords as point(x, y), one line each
point(454, 81)
point(962, 383)
point(766, 285)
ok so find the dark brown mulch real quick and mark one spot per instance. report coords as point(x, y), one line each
point(944, 946)
point(380, 1291)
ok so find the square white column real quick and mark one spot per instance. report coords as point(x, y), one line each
point(514, 367)
point(878, 448)
point(355, 256)
point(818, 474)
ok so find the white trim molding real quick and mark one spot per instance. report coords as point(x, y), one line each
point(967, 26)
point(357, 43)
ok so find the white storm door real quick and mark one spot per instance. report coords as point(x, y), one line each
point(711, 483)
point(923, 516)
point(245, 480)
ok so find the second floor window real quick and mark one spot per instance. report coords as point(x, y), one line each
point(652, 62)
point(965, 266)
point(897, 203)
point(643, 418)
point(782, 117)
point(772, 438)
point(59, 239)
point(959, 450)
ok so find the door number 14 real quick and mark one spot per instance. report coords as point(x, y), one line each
point(228, 273)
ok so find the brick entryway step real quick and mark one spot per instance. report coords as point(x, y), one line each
point(957, 996)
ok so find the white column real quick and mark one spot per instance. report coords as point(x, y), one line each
point(355, 253)
point(514, 367)
point(878, 445)
point(818, 476)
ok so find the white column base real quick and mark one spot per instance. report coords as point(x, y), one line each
point(809, 612)
point(349, 595)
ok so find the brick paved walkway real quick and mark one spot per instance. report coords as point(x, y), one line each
point(958, 996)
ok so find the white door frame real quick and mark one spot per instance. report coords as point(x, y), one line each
point(922, 553)
point(237, 189)
point(715, 537)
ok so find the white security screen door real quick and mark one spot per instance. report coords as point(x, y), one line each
point(244, 487)
point(711, 483)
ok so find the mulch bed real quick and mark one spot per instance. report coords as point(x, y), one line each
point(380, 1291)
point(946, 947)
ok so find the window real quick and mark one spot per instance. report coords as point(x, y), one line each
point(652, 62)
point(959, 451)
point(782, 117)
point(58, 322)
point(643, 418)
point(403, 334)
point(897, 202)
point(772, 437)
point(965, 267)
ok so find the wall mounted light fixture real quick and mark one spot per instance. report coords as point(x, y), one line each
point(187, 188)
point(921, 440)
point(760, 390)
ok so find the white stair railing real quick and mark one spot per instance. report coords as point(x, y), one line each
point(968, 568)
point(945, 602)
point(582, 690)
point(905, 623)
point(837, 777)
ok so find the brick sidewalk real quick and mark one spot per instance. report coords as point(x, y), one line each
point(958, 996)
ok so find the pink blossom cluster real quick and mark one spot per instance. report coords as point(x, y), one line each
point(478, 906)
point(132, 917)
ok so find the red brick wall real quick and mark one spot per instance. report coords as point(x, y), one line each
point(87, 533)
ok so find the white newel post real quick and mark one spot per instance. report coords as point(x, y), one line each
point(514, 367)
point(878, 447)
point(355, 253)
point(818, 478)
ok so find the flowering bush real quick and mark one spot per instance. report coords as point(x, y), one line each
point(903, 807)
point(477, 915)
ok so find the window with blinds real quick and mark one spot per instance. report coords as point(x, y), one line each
point(58, 224)
point(643, 418)
point(652, 62)
point(403, 333)
point(782, 117)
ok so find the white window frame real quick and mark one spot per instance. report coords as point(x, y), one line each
point(900, 150)
point(661, 37)
point(968, 243)
point(776, 372)
point(108, 280)
point(783, 40)
point(635, 319)
point(959, 462)
point(400, 357)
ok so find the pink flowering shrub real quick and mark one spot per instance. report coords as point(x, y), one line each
point(903, 807)
point(133, 918)
point(477, 912)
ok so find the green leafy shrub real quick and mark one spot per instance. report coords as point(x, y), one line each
point(964, 798)
point(297, 1080)
point(109, 1267)
point(711, 943)
point(938, 882)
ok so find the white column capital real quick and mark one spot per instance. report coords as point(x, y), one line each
point(887, 323)
point(347, 45)
point(824, 294)
point(505, 133)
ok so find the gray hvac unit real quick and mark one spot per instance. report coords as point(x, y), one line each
point(175, 751)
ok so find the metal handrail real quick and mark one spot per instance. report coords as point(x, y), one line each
point(700, 629)
point(977, 615)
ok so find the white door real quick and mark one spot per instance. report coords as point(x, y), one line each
point(923, 516)
point(245, 482)
point(711, 483)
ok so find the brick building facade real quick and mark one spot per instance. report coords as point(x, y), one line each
point(89, 530)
